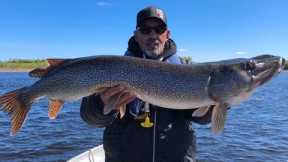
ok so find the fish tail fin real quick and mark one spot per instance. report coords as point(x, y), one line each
point(17, 104)
point(219, 114)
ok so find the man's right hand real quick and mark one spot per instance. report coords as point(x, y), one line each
point(126, 96)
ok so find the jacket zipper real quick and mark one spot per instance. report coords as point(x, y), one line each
point(154, 136)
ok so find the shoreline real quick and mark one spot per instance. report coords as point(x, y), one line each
point(4, 70)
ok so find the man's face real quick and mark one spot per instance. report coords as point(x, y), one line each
point(151, 37)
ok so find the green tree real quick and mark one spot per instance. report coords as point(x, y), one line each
point(185, 59)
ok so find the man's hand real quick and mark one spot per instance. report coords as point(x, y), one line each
point(125, 96)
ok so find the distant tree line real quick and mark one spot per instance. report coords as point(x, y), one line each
point(22, 64)
point(25, 61)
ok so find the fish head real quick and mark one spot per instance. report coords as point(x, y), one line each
point(236, 79)
point(263, 68)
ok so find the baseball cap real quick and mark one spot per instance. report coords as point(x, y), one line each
point(151, 12)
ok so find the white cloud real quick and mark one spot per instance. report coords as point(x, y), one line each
point(183, 50)
point(103, 3)
point(241, 53)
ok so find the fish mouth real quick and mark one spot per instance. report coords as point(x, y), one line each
point(263, 68)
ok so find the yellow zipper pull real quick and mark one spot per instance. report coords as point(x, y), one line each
point(147, 123)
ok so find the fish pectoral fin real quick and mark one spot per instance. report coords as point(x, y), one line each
point(122, 111)
point(219, 117)
point(201, 111)
point(54, 108)
point(111, 104)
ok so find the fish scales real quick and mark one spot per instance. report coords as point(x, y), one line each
point(164, 84)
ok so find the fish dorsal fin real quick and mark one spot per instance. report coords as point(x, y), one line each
point(55, 62)
point(38, 72)
point(54, 108)
point(41, 72)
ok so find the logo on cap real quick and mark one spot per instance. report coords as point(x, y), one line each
point(160, 13)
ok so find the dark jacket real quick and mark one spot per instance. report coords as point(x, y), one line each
point(125, 140)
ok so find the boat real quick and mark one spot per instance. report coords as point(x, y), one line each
point(95, 154)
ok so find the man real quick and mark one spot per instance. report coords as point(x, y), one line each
point(169, 137)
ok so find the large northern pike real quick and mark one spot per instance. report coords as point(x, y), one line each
point(223, 84)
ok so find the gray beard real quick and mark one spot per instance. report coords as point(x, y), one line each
point(154, 54)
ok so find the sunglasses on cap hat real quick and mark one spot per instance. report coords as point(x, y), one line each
point(147, 29)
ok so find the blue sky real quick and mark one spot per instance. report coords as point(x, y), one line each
point(207, 30)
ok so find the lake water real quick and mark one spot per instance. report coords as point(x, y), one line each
point(256, 130)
